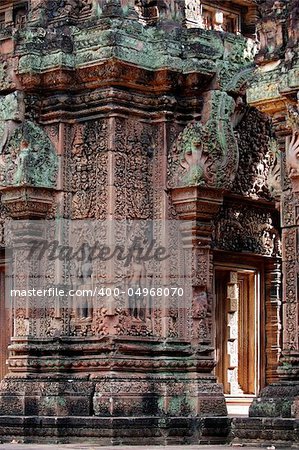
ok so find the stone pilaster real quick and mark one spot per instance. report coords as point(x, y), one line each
point(196, 207)
point(273, 319)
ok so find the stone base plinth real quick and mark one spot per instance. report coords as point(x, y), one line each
point(145, 430)
point(265, 432)
point(110, 408)
point(112, 395)
point(277, 400)
point(46, 396)
point(138, 392)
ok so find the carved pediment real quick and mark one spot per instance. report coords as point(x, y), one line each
point(208, 152)
point(28, 158)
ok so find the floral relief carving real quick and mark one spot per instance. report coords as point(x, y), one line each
point(133, 169)
point(241, 228)
point(258, 173)
point(87, 175)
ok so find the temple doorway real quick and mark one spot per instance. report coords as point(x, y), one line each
point(237, 336)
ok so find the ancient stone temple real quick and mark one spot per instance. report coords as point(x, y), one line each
point(150, 115)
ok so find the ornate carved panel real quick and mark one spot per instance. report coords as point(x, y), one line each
point(135, 143)
point(86, 169)
point(240, 227)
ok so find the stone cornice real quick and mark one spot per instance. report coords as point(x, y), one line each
point(113, 73)
point(274, 90)
point(88, 56)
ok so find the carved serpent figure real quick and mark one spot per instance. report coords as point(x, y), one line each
point(209, 150)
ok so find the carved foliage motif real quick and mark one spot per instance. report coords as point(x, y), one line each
point(291, 285)
point(173, 161)
point(259, 166)
point(3, 222)
point(240, 228)
point(201, 315)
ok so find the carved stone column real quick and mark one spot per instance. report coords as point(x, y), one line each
point(279, 398)
point(196, 207)
point(289, 369)
point(273, 319)
point(275, 93)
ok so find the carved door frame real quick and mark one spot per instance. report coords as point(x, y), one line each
point(257, 265)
